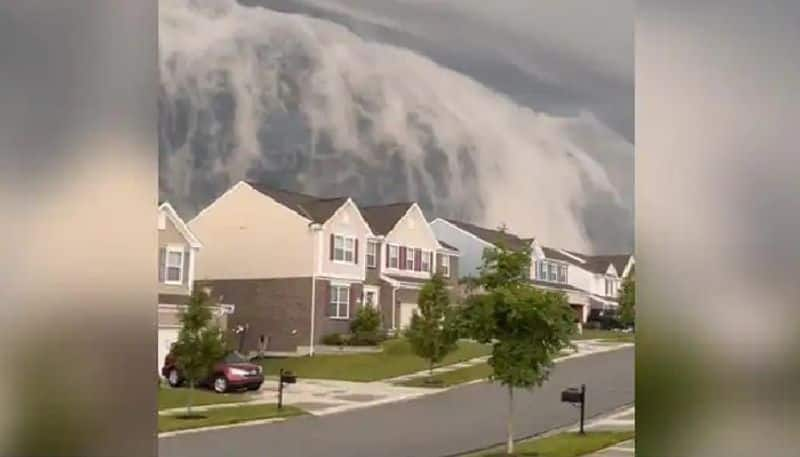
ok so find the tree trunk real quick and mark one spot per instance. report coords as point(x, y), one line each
point(189, 402)
point(510, 437)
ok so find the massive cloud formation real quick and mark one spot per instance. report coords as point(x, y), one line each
point(307, 105)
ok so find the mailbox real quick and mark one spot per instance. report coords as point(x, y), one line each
point(287, 377)
point(572, 395)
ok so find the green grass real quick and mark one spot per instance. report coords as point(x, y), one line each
point(396, 359)
point(451, 378)
point(169, 397)
point(605, 335)
point(570, 444)
point(226, 416)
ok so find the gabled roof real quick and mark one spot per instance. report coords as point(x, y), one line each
point(181, 226)
point(600, 263)
point(383, 218)
point(317, 209)
point(555, 254)
point(490, 236)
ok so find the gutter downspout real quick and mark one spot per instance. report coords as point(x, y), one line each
point(314, 230)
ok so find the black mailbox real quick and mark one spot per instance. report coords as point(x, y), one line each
point(287, 377)
point(572, 395)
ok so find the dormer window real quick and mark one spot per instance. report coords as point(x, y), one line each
point(611, 287)
point(546, 270)
point(174, 265)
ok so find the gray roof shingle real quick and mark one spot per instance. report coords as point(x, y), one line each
point(383, 218)
point(317, 209)
point(494, 237)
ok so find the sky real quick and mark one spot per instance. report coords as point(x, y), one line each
point(510, 112)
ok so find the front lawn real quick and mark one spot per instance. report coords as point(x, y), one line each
point(605, 335)
point(451, 378)
point(224, 416)
point(569, 444)
point(169, 397)
point(396, 359)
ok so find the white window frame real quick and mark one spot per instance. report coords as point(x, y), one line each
point(374, 290)
point(336, 299)
point(372, 257)
point(445, 266)
point(174, 249)
point(343, 239)
point(410, 258)
point(552, 272)
point(393, 255)
point(565, 269)
point(425, 261)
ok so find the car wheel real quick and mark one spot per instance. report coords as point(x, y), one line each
point(220, 384)
point(173, 378)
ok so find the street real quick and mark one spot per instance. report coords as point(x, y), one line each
point(449, 423)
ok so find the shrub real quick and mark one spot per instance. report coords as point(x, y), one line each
point(334, 339)
point(367, 338)
point(367, 320)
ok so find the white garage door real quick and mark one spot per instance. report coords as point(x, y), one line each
point(406, 311)
point(166, 336)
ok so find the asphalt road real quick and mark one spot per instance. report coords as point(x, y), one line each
point(459, 420)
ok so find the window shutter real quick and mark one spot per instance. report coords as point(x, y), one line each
point(355, 254)
point(355, 294)
point(402, 257)
point(387, 255)
point(327, 292)
point(187, 253)
point(162, 259)
point(417, 259)
point(332, 246)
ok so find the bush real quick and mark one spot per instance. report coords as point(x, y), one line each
point(334, 339)
point(367, 320)
point(367, 338)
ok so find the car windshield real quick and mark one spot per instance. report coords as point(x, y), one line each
point(234, 358)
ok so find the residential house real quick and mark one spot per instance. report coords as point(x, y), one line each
point(402, 255)
point(294, 264)
point(600, 275)
point(177, 251)
point(548, 270)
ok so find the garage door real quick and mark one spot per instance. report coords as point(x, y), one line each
point(406, 311)
point(166, 336)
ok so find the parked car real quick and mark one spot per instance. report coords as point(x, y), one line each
point(604, 320)
point(233, 372)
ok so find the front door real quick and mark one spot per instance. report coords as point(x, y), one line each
point(371, 294)
point(407, 310)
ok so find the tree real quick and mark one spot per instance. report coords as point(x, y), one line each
point(433, 333)
point(627, 302)
point(527, 327)
point(200, 342)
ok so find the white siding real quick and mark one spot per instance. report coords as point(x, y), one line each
point(470, 247)
point(412, 231)
point(346, 221)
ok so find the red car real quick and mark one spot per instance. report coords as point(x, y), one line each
point(233, 372)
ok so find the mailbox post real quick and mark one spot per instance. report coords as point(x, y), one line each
point(286, 377)
point(574, 395)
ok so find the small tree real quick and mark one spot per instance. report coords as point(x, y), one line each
point(526, 326)
point(433, 333)
point(367, 320)
point(200, 342)
point(627, 302)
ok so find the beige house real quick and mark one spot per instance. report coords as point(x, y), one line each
point(401, 256)
point(177, 252)
point(294, 264)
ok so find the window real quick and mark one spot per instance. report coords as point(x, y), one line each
point(551, 272)
point(426, 261)
point(409, 259)
point(372, 254)
point(344, 249)
point(340, 302)
point(542, 270)
point(562, 273)
point(445, 266)
point(610, 289)
point(369, 298)
point(174, 266)
point(393, 259)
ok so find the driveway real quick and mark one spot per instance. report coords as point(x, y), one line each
point(441, 424)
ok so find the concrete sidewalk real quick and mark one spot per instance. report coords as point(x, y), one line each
point(626, 449)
